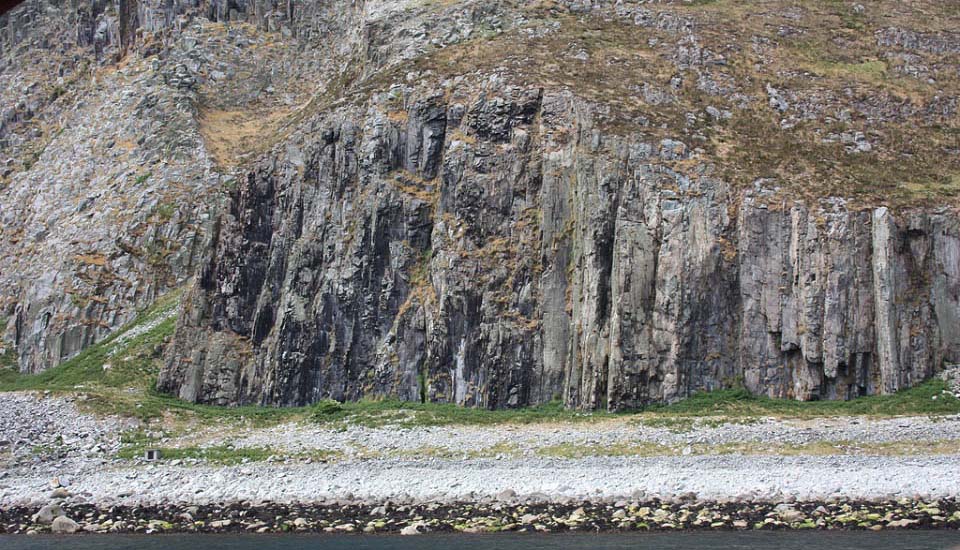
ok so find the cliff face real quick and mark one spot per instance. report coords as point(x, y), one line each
point(501, 203)
point(106, 179)
point(504, 252)
point(102, 180)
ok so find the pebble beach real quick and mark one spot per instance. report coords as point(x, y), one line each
point(610, 475)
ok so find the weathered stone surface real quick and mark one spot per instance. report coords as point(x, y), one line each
point(430, 217)
point(506, 268)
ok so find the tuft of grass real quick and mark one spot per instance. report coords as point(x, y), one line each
point(326, 410)
point(166, 211)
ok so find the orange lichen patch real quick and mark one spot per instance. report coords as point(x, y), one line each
point(415, 186)
point(91, 259)
point(458, 135)
point(231, 135)
point(400, 117)
point(126, 144)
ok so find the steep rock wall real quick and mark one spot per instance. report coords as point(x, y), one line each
point(105, 178)
point(506, 251)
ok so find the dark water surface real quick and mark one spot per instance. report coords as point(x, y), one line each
point(808, 540)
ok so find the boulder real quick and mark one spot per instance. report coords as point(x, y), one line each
point(413, 529)
point(63, 524)
point(48, 513)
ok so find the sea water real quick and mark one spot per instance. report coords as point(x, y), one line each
point(806, 540)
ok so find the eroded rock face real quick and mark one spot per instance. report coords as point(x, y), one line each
point(507, 251)
point(105, 179)
point(489, 203)
point(107, 217)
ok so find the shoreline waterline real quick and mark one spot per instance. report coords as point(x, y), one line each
point(792, 540)
point(485, 517)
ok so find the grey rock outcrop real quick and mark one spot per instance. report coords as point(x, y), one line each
point(490, 245)
point(469, 255)
point(107, 174)
point(105, 193)
point(105, 178)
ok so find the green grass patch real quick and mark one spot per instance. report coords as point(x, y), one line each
point(374, 413)
point(815, 448)
point(8, 358)
point(724, 406)
point(149, 404)
point(683, 424)
point(867, 70)
point(8, 366)
point(578, 450)
point(498, 450)
point(220, 454)
point(717, 407)
point(133, 355)
point(918, 400)
point(124, 359)
point(135, 443)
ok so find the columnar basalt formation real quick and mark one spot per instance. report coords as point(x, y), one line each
point(506, 252)
point(495, 204)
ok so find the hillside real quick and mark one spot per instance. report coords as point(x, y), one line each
point(492, 204)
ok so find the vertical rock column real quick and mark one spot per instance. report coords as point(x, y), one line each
point(884, 289)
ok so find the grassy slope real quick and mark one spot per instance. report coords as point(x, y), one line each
point(134, 351)
point(830, 59)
